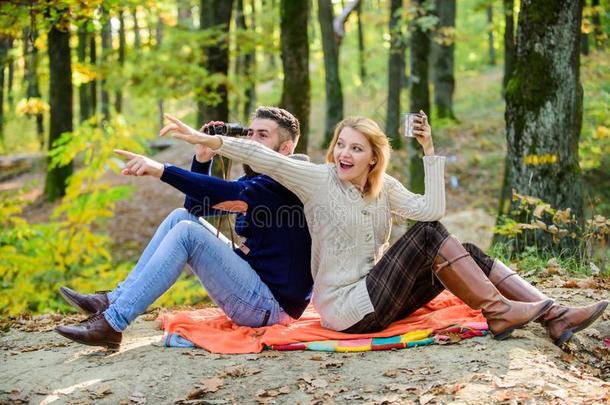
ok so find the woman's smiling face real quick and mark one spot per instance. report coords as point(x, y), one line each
point(353, 156)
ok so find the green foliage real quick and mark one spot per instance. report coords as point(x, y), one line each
point(540, 219)
point(36, 258)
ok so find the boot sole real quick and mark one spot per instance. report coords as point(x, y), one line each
point(507, 332)
point(567, 335)
point(108, 345)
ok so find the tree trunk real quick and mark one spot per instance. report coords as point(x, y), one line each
point(490, 35)
point(215, 13)
point(420, 95)
point(396, 69)
point(509, 41)
point(60, 100)
point(444, 81)
point(330, 46)
point(83, 97)
point(106, 52)
point(93, 83)
point(11, 76)
point(4, 48)
point(361, 50)
point(136, 29)
point(250, 61)
point(598, 34)
point(296, 87)
point(159, 41)
point(240, 63)
point(118, 102)
point(30, 58)
point(543, 100)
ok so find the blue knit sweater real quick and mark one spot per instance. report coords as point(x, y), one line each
point(271, 220)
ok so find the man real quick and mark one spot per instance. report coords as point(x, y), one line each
point(266, 281)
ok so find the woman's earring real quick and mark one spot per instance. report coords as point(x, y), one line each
point(373, 162)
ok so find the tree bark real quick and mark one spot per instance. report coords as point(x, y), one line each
point(420, 94)
point(83, 95)
point(490, 35)
point(295, 59)
point(444, 81)
point(159, 41)
point(118, 101)
point(106, 52)
point(396, 67)
point(330, 46)
point(544, 111)
point(60, 100)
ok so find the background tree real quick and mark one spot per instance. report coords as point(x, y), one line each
point(420, 92)
point(118, 100)
point(105, 59)
point(295, 59)
point(215, 14)
point(60, 100)
point(509, 40)
point(30, 59)
point(84, 97)
point(544, 109)
point(334, 93)
point(490, 34)
point(5, 45)
point(444, 49)
point(396, 68)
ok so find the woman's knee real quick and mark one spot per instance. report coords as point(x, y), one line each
point(179, 214)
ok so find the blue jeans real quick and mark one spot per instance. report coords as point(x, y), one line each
point(228, 279)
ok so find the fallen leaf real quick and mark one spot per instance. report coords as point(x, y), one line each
point(316, 357)
point(331, 364)
point(570, 284)
point(238, 371)
point(400, 387)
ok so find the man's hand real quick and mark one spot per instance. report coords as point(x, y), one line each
point(139, 165)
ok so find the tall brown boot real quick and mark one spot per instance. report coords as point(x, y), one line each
point(561, 322)
point(461, 275)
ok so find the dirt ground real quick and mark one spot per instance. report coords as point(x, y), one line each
point(39, 366)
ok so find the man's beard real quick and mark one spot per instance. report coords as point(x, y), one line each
point(250, 172)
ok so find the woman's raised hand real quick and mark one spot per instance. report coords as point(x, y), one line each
point(423, 133)
point(180, 130)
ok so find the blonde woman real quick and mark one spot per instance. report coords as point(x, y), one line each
point(361, 286)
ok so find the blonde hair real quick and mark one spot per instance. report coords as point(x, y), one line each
point(381, 151)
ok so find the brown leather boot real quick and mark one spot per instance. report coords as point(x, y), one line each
point(561, 322)
point(86, 303)
point(94, 331)
point(461, 275)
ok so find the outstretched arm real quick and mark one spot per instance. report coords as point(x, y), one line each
point(303, 178)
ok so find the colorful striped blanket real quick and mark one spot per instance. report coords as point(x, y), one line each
point(446, 319)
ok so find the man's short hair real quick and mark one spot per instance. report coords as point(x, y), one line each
point(287, 123)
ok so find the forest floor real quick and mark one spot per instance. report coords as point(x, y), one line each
point(39, 366)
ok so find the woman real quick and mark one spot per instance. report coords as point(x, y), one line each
point(358, 286)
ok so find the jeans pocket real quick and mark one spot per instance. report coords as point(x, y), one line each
point(245, 314)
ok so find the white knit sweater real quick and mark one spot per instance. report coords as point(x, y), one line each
point(349, 234)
